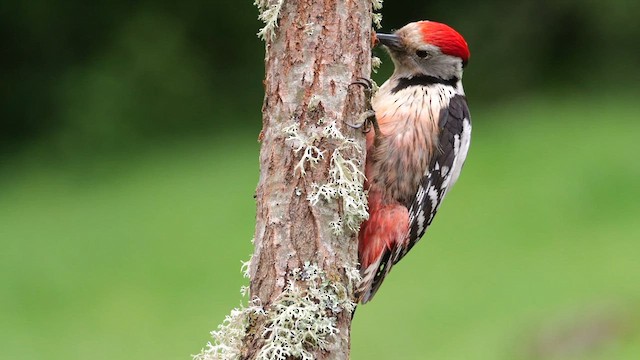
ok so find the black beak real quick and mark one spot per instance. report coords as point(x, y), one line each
point(391, 41)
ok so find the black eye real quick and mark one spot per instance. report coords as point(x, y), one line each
point(422, 54)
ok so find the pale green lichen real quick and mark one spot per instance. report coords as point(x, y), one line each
point(310, 152)
point(303, 317)
point(301, 320)
point(269, 13)
point(376, 16)
point(336, 226)
point(354, 276)
point(227, 339)
point(375, 63)
point(377, 20)
point(346, 181)
point(245, 266)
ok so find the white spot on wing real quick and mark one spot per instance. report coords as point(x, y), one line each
point(433, 196)
point(461, 147)
point(421, 221)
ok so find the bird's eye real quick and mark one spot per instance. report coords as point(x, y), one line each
point(423, 54)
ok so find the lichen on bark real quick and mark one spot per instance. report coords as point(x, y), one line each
point(310, 199)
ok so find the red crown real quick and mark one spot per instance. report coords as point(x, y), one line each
point(443, 36)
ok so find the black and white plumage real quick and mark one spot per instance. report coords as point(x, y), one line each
point(444, 168)
point(421, 143)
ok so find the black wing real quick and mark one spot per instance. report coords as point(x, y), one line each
point(443, 170)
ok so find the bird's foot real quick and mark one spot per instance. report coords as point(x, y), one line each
point(367, 119)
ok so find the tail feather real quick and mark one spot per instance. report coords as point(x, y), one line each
point(380, 242)
point(373, 276)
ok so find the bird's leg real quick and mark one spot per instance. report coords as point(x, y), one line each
point(368, 118)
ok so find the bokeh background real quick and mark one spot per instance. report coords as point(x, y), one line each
point(128, 162)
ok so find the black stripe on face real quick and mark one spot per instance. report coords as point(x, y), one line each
point(422, 80)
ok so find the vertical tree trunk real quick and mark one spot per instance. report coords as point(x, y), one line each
point(317, 49)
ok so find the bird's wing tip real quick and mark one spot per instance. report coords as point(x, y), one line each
point(364, 292)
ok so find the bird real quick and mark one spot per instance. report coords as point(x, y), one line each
point(420, 143)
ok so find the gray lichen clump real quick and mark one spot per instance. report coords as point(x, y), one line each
point(346, 182)
point(301, 320)
point(376, 16)
point(269, 13)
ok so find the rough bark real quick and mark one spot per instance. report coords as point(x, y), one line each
point(319, 48)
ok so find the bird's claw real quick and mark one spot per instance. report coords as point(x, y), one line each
point(364, 82)
point(367, 119)
point(369, 88)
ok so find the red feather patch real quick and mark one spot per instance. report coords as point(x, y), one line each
point(448, 40)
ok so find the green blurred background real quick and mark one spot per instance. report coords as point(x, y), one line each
point(128, 162)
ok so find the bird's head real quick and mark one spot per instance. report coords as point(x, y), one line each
point(427, 48)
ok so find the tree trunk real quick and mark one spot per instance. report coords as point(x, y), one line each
point(307, 211)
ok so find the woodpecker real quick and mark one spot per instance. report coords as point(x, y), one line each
point(421, 138)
